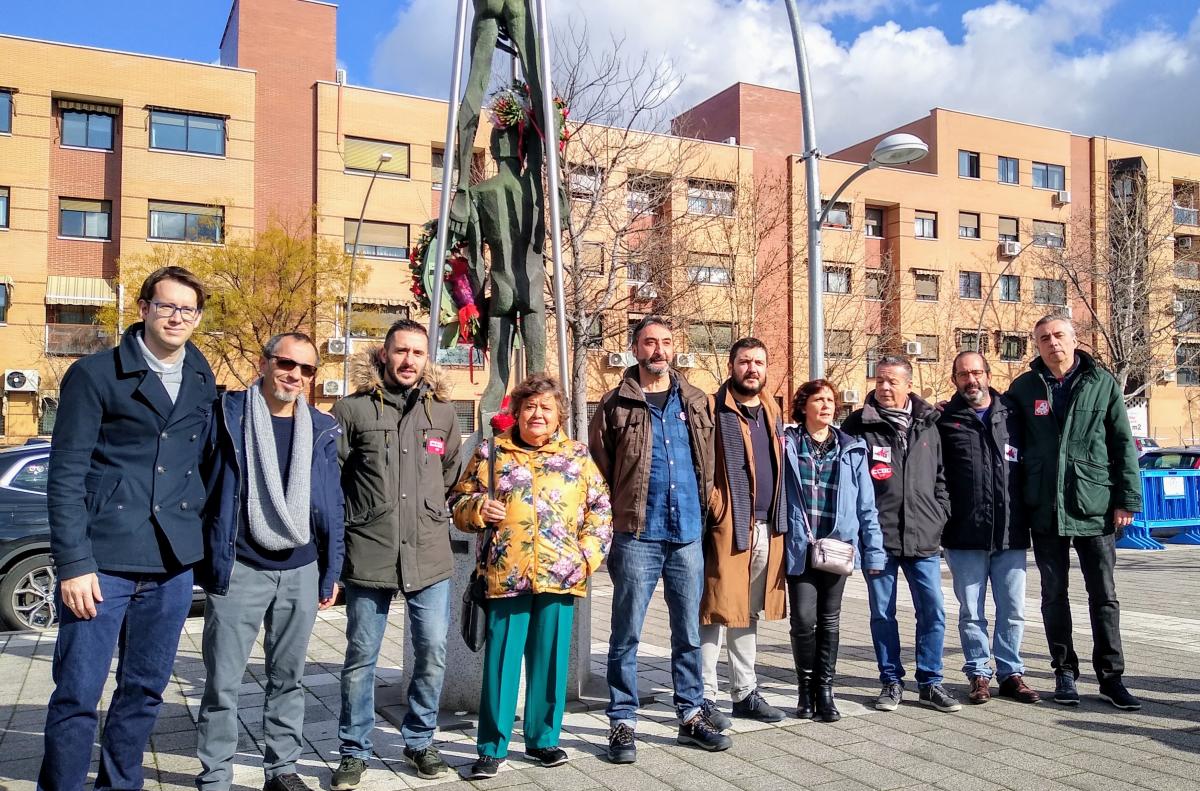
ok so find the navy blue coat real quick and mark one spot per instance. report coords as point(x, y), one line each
point(125, 493)
point(226, 513)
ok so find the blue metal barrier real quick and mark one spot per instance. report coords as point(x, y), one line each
point(1170, 498)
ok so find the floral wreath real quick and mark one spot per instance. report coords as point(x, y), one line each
point(510, 108)
point(458, 296)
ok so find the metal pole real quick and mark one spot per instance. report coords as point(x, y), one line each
point(439, 266)
point(350, 284)
point(552, 189)
point(816, 314)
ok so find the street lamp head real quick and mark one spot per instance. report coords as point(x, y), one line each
point(386, 156)
point(899, 149)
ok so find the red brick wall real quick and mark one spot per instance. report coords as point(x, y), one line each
point(94, 175)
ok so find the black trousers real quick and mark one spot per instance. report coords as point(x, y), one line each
point(816, 613)
point(1097, 559)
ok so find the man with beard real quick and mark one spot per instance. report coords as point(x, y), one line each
point(744, 574)
point(987, 537)
point(399, 453)
point(652, 438)
point(274, 556)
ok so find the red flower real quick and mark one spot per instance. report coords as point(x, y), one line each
point(502, 421)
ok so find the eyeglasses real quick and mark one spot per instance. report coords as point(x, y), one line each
point(165, 310)
point(288, 364)
point(975, 374)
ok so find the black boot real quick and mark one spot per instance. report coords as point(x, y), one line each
point(802, 655)
point(826, 710)
point(826, 665)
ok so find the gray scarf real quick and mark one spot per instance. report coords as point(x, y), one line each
point(277, 520)
point(901, 420)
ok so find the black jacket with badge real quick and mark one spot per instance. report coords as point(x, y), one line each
point(982, 461)
point(400, 457)
point(910, 485)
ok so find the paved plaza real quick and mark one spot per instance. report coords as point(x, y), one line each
point(1000, 745)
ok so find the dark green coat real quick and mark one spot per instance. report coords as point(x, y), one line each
point(1073, 476)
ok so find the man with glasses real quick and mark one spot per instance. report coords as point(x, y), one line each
point(987, 537)
point(124, 497)
point(274, 533)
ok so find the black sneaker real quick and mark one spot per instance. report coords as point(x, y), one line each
point(547, 756)
point(427, 762)
point(699, 732)
point(715, 716)
point(1064, 689)
point(621, 747)
point(890, 696)
point(1115, 693)
point(288, 782)
point(484, 767)
point(348, 774)
point(754, 707)
point(936, 696)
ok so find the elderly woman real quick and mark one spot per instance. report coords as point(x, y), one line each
point(829, 495)
point(552, 527)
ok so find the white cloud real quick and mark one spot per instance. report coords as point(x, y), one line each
point(1012, 62)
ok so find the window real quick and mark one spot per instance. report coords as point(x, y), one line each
point(838, 344)
point(925, 225)
point(33, 476)
point(1008, 229)
point(464, 412)
point(926, 284)
point(1187, 317)
point(970, 285)
point(1049, 234)
point(710, 269)
point(875, 284)
point(47, 415)
point(968, 225)
point(3, 303)
point(594, 336)
point(637, 268)
point(839, 214)
point(85, 219)
point(929, 348)
point(645, 192)
point(1010, 288)
point(1008, 169)
point(874, 227)
point(6, 112)
point(195, 134)
point(971, 341)
point(362, 156)
point(372, 320)
point(437, 166)
point(186, 222)
point(837, 280)
point(1051, 177)
point(968, 164)
point(378, 239)
point(1012, 347)
point(709, 197)
point(3, 207)
point(1049, 292)
point(585, 182)
point(872, 354)
point(1187, 364)
point(1188, 270)
point(710, 337)
point(87, 129)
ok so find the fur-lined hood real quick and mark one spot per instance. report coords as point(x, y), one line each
point(366, 373)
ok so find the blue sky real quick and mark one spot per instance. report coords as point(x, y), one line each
point(1126, 68)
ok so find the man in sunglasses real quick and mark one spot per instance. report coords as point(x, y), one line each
point(124, 497)
point(274, 533)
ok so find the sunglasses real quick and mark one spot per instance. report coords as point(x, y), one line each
point(288, 364)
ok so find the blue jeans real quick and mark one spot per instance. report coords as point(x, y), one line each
point(142, 616)
point(366, 620)
point(924, 577)
point(635, 568)
point(972, 570)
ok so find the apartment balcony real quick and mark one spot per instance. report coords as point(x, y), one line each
point(1186, 216)
point(76, 340)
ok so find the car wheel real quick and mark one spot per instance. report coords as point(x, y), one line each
point(27, 595)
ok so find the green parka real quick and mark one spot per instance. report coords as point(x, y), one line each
point(1074, 475)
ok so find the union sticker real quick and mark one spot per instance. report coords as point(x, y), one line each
point(881, 454)
point(1041, 408)
point(881, 472)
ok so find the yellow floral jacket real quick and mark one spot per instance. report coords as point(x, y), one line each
point(558, 525)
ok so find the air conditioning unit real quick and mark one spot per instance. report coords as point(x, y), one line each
point(851, 397)
point(621, 360)
point(1062, 197)
point(21, 381)
point(1184, 243)
point(1177, 307)
point(1168, 375)
point(1010, 249)
point(332, 388)
point(339, 76)
point(685, 360)
point(912, 348)
point(645, 291)
point(338, 347)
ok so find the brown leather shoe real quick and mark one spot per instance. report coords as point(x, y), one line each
point(1015, 687)
point(979, 690)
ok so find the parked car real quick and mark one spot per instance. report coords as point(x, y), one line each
point(1171, 459)
point(27, 577)
point(1144, 444)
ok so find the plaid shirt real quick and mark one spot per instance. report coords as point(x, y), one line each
point(819, 476)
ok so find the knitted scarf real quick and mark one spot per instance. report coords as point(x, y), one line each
point(900, 419)
point(278, 520)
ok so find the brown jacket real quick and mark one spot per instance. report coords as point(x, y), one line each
point(621, 441)
point(726, 569)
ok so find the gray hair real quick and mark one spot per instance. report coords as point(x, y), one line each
point(1054, 317)
point(895, 361)
point(271, 345)
point(649, 321)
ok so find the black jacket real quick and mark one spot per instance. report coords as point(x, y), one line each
point(982, 462)
point(910, 486)
point(125, 491)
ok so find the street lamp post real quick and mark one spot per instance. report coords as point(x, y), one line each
point(384, 158)
point(898, 149)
